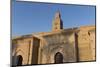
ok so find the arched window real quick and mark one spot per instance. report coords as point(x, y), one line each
point(58, 58)
point(19, 60)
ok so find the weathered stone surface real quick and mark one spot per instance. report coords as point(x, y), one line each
point(74, 44)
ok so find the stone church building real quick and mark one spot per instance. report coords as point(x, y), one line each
point(57, 46)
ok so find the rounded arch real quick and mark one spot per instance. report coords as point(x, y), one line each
point(19, 52)
point(18, 57)
point(58, 58)
point(19, 60)
point(53, 52)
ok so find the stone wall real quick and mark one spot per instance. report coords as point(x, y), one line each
point(63, 42)
point(73, 44)
point(85, 46)
point(93, 44)
point(28, 49)
point(23, 48)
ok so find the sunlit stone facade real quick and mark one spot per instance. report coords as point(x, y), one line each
point(58, 46)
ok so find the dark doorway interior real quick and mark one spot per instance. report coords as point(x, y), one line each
point(19, 60)
point(58, 58)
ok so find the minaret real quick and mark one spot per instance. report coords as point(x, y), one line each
point(57, 22)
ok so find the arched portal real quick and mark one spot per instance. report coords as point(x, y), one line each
point(19, 60)
point(58, 58)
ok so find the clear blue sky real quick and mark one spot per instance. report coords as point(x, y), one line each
point(30, 17)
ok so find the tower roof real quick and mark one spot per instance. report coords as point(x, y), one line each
point(57, 14)
point(57, 22)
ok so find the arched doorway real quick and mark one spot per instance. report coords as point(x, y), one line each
point(58, 58)
point(19, 60)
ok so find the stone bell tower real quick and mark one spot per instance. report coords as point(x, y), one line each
point(57, 22)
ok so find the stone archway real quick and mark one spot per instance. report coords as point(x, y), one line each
point(58, 58)
point(19, 60)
